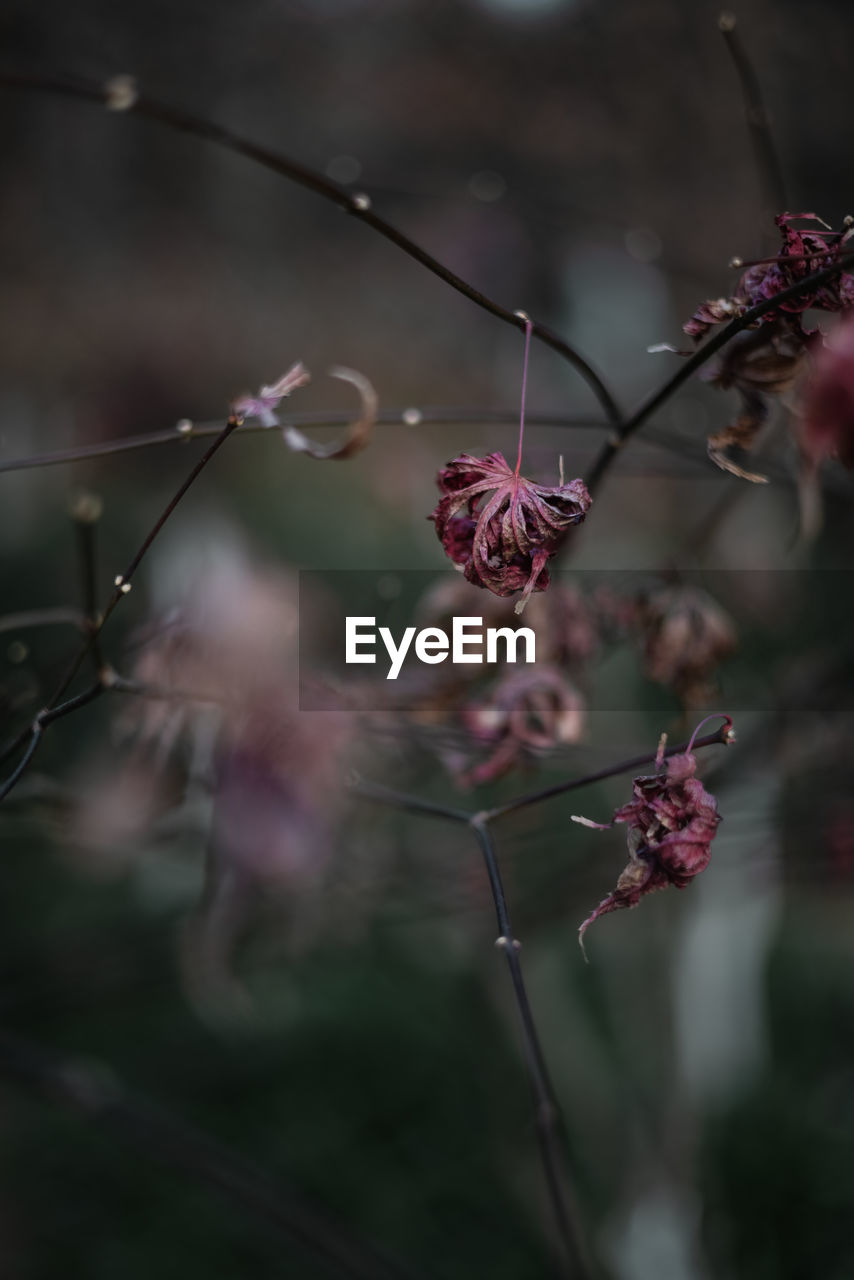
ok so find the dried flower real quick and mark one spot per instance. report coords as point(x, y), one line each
point(671, 822)
point(527, 711)
point(263, 405)
point(503, 542)
point(759, 364)
point(685, 634)
point(803, 253)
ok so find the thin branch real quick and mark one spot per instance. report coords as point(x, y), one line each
point(32, 735)
point(401, 800)
point(694, 362)
point(122, 586)
point(546, 1111)
point(721, 737)
point(408, 417)
point(357, 205)
point(85, 513)
point(99, 1095)
point(771, 181)
point(124, 580)
point(43, 618)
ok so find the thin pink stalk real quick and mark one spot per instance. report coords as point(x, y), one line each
point(528, 328)
point(716, 715)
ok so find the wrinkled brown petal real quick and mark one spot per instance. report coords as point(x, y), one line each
point(358, 433)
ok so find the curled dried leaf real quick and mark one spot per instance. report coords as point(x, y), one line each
point(358, 433)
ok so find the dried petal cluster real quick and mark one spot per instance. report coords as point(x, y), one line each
point(263, 405)
point(803, 253)
point(524, 712)
point(685, 635)
point(671, 823)
point(503, 541)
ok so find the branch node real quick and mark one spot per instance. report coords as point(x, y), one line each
point(108, 676)
point(508, 944)
point(360, 203)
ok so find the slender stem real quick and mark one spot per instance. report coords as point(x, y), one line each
point(35, 734)
point(546, 1111)
point(358, 205)
point(722, 737)
point(85, 515)
point(438, 415)
point(123, 583)
point(36, 730)
point(124, 580)
point(412, 804)
point(43, 618)
point(97, 1093)
point(694, 362)
point(524, 394)
point(768, 167)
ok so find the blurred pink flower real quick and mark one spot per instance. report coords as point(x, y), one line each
point(527, 711)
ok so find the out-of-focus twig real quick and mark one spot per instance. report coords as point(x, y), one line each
point(95, 1091)
point(575, 1261)
point(55, 708)
point(358, 205)
point(772, 184)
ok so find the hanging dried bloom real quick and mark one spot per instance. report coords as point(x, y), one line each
point(803, 253)
point(503, 541)
point(758, 365)
point(685, 635)
point(528, 711)
point(671, 822)
point(264, 404)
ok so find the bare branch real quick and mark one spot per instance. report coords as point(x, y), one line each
point(357, 205)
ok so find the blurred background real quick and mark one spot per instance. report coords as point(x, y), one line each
point(250, 1025)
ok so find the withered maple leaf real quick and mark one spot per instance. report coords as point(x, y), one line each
point(503, 541)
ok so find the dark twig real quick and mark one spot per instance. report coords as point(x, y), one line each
point(122, 587)
point(408, 417)
point(85, 512)
point(546, 1111)
point(412, 804)
point(357, 205)
point(33, 734)
point(98, 1094)
point(43, 618)
point(694, 362)
point(771, 181)
point(721, 737)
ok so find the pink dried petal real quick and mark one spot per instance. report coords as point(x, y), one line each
point(672, 821)
point(263, 405)
point(501, 527)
